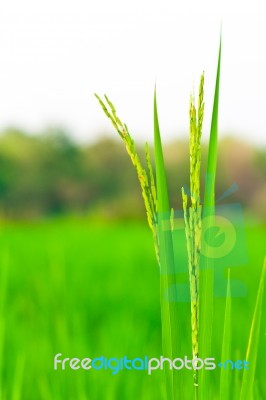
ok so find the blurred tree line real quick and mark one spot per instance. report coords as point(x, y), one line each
point(49, 174)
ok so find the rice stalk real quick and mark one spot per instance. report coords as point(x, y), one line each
point(206, 274)
point(192, 216)
point(155, 196)
point(147, 184)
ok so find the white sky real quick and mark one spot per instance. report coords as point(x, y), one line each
point(54, 54)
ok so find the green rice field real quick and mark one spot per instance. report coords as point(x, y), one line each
point(87, 289)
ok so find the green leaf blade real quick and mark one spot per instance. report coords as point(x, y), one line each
point(253, 343)
point(161, 182)
point(209, 195)
point(226, 374)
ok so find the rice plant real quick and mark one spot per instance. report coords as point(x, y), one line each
point(201, 279)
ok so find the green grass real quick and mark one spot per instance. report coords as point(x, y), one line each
point(69, 288)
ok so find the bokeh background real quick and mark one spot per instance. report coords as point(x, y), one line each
point(78, 274)
point(51, 175)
